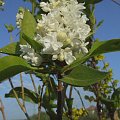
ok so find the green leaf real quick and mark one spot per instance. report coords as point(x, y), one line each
point(35, 45)
point(30, 96)
point(28, 26)
point(98, 48)
point(108, 102)
point(11, 49)
point(9, 28)
point(101, 47)
point(83, 76)
point(69, 102)
point(99, 24)
point(77, 62)
point(12, 65)
point(116, 97)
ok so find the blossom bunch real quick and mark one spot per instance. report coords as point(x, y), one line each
point(30, 55)
point(19, 17)
point(62, 30)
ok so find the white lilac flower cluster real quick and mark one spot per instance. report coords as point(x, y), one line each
point(2, 3)
point(30, 55)
point(62, 31)
point(19, 17)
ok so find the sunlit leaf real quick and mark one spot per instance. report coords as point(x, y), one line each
point(12, 65)
point(11, 49)
point(28, 26)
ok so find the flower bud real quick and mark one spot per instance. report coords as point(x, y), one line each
point(61, 36)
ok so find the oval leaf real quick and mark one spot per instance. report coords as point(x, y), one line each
point(28, 26)
point(12, 65)
point(99, 47)
point(35, 45)
point(11, 49)
point(30, 96)
point(83, 76)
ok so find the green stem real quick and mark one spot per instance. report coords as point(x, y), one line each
point(33, 8)
point(11, 38)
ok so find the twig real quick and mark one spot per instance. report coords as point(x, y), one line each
point(22, 86)
point(70, 93)
point(60, 101)
point(116, 2)
point(35, 89)
point(33, 7)
point(16, 96)
point(11, 38)
point(40, 102)
point(2, 110)
point(80, 98)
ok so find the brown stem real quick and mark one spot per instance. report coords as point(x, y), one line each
point(2, 110)
point(98, 101)
point(59, 101)
point(22, 86)
point(40, 101)
point(70, 93)
point(16, 96)
point(35, 89)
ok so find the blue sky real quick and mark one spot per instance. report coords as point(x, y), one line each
point(110, 29)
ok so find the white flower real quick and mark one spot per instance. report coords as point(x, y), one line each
point(30, 55)
point(19, 17)
point(62, 31)
point(65, 54)
point(69, 58)
point(84, 48)
point(51, 45)
point(45, 6)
